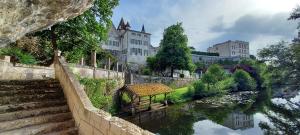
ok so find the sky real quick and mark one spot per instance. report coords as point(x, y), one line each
point(207, 22)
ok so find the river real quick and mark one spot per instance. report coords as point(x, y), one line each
point(264, 116)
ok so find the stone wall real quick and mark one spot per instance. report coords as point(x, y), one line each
point(97, 73)
point(90, 120)
point(23, 72)
point(176, 82)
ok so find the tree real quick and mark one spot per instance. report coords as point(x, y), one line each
point(81, 35)
point(244, 80)
point(209, 79)
point(217, 71)
point(174, 53)
point(284, 61)
point(295, 14)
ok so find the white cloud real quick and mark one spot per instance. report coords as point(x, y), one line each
point(199, 16)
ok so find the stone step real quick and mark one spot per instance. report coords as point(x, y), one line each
point(31, 121)
point(70, 131)
point(32, 113)
point(29, 98)
point(29, 91)
point(31, 105)
point(26, 87)
point(28, 82)
point(46, 128)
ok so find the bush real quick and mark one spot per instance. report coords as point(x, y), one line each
point(100, 93)
point(22, 57)
point(199, 87)
point(181, 75)
point(226, 85)
point(146, 71)
point(244, 81)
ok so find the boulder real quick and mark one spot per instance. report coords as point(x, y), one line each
point(18, 17)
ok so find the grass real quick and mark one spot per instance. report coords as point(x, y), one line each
point(179, 95)
point(100, 92)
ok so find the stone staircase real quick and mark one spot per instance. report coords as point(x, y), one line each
point(34, 107)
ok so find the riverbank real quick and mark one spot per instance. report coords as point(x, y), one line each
point(244, 97)
point(186, 94)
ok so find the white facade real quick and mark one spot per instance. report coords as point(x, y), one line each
point(129, 46)
point(231, 49)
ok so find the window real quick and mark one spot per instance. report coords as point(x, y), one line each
point(133, 34)
point(145, 43)
point(146, 53)
point(145, 36)
point(139, 35)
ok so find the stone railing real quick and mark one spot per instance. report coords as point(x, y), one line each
point(8, 71)
point(90, 120)
point(91, 72)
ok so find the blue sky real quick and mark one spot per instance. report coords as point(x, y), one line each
point(206, 22)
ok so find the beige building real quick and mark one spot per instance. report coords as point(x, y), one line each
point(231, 49)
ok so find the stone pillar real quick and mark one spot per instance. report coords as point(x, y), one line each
point(93, 59)
point(117, 69)
point(82, 61)
point(108, 71)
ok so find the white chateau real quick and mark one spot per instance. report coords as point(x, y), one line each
point(129, 46)
point(231, 49)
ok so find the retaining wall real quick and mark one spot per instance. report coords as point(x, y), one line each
point(23, 72)
point(90, 120)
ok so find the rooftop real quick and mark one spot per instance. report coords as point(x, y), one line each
point(147, 89)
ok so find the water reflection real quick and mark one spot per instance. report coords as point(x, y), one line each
point(238, 120)
point(264, 116)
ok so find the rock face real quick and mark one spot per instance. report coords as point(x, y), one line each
point(18, 17)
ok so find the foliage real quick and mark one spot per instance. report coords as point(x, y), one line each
point(100, 92)
point(41, 50)
point(77, 37)
point(200, 65)
point(284, 62)
point(146, 71)
point(181, 75)
point(213, 74)
point(205, 53)
point(21, 56)
point(226, 85)
point(244, 80)
point(174, 52)
point(217, 71)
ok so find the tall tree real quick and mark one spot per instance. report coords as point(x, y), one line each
point(79, 36)
point(174, 52)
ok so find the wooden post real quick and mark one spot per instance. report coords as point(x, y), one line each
point(132, 106)
point(166, 102)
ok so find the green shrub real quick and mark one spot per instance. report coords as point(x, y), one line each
point(100, 92)
point(244, 81)
point(226, 85)
point(22, 57)
point(146, 71)
point(181, 75)
point(199, 87)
